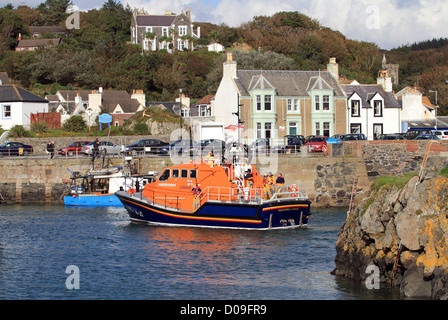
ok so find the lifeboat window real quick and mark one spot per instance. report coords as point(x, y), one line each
point(165, 175)
point(175, 173)
point(184, 173)
point(193, 174)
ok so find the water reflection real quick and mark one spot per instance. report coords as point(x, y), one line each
point(122, 260)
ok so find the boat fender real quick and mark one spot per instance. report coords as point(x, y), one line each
point(293, 188)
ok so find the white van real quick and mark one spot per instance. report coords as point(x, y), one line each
point(441, 134)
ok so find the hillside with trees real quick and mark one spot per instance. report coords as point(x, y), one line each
point(99, 54)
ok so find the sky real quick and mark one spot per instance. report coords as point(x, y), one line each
point(388, 23)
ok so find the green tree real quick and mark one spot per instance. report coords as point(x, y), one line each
point(54, 11)
point(75, 124)
point(10, 26)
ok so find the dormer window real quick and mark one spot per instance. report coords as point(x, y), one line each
point(378, 108)
point(355, 106)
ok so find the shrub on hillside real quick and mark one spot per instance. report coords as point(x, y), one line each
point(75, 124)
point(19, 131)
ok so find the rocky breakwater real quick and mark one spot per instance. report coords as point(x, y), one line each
point(404, 233)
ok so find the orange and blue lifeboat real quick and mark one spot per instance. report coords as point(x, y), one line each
point(201, 194)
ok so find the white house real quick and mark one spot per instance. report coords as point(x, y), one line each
point(215, 47)
point(415, 108)
point(168, 31)
point(372, 109)
point(90, 103)
point(17, 104)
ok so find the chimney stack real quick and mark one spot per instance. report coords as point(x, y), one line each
point(333, 68)
point(229, 68)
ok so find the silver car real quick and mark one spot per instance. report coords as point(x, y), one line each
point(111, 148)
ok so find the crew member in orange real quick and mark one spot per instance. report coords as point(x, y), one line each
point(266, 187)
point(196, 192)
point(210, 159)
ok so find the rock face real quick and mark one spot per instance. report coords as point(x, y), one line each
point(404, 232)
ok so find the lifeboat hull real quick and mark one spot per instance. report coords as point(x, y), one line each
point(284, 214)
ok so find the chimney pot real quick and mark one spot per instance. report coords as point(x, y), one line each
point(229, 57)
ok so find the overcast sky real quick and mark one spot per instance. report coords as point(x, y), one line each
point(388, 23)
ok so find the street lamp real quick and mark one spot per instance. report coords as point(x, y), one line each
point(435, 91)
point(180, 112)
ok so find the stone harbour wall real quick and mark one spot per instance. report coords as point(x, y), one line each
point(404, 233)
point(329, 177)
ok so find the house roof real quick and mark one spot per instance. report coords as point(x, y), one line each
point(286, 82)
point(110, 99)
point(47, 29)
point(38, 42)
point(155, 20)
point(12, 93)
point(4, 79)
point(206, 100)
point(69, 95)
point(113, 98)
point(367, 91)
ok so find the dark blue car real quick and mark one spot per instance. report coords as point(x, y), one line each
point(146, 146)
point(15, 149)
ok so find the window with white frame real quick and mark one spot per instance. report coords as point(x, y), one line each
point(258, 97)
point(6, 111)
point(267, 102)
point(185, 112)
point(326, 129)
point(293, 105)
point(182, 31)
point(267, 130)
point(316, 103)
point(317, 128)
point(180, 44)
point(258, 130)
point(165, 31)
point(326, 103)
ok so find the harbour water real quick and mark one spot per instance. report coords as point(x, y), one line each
point(60, 253)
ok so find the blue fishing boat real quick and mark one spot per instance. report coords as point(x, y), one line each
point(203, 194)
point(98, 186)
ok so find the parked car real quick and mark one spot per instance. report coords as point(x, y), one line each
point(308, 138)
point(391, 137)
point(204, 146)
point(73, 148)
point(427, 137)
point(15, 149)
point(181, 147)
point(146, 146)
point(290, 142)
point(261, 145)
point(111, 148)
point(317, 144)
point(354, 136)
point(298, 136)
point(337, 138)
point(441, 134)
point(412, 134)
